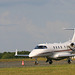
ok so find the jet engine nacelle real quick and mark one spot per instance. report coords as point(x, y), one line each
point(72, 46)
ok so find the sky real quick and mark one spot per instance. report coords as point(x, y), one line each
point(26, 23)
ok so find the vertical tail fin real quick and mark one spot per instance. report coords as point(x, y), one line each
point(73, 39)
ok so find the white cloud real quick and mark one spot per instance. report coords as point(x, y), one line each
point(4, 18)
point(16, 24)
point(26, 26)
point(29, 23)
point(55, 29)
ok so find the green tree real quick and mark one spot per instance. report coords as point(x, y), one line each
point(11, 55)
point(0, 55)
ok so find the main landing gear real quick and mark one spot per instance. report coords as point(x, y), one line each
point(49, 60)
point(69, 60)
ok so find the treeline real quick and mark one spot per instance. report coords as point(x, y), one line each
point(11, 55)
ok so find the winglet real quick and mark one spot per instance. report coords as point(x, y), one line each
point(16, 53)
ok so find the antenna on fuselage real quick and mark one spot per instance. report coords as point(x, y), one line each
point(73, 39)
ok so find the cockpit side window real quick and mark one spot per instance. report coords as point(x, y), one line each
point(41, 47)
point(44, 47)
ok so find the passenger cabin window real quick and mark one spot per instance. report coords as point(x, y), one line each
point(53, 47)
point(61, 46)
point(64, 46)
point(58, 47)
point(41, 47)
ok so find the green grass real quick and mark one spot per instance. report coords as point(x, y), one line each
point(26, 59)
point(65, 69)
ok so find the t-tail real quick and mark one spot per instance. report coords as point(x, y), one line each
point(73, 38)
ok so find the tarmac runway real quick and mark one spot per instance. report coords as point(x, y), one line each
point(31, 63)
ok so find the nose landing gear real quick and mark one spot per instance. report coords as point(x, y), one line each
point(36, 62)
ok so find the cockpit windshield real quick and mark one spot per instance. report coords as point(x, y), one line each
point(40, 47)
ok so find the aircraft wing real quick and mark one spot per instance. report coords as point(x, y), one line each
point(63, 55)
point(23, 55)
point(20, 55)
point(66, 55)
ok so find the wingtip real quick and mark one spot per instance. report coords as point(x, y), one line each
point(16, 53)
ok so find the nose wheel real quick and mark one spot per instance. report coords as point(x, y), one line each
point(36, 62)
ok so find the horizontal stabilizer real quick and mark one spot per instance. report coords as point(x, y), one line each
point(69, 28)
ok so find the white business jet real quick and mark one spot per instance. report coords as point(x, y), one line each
point(55, 51)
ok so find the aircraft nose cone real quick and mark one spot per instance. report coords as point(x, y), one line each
point(36, 53)
point(30, 55)
point(33, 54)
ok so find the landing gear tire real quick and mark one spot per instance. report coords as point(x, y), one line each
point(47, 60)
point(69, 61)
point(36, 62)
point(50, 62)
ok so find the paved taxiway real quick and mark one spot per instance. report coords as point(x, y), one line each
point(31, 63)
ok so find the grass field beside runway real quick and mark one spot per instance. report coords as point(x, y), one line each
point(68, 69)
point(65, 69)
point(14, 67)
point(25, 59)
